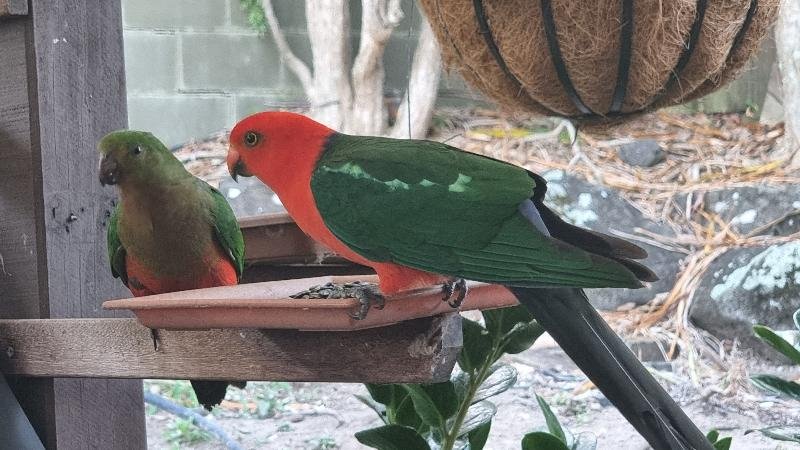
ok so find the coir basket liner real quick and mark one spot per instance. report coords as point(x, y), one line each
point(595, 59)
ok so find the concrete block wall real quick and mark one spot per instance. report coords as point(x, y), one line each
point(195, 67)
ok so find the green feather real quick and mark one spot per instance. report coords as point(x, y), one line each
point(436, 208)
point(226, 230)
point(116, 252)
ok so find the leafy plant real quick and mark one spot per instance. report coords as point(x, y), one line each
point(185, 432)
point(556, 437)
point(778, 385)
point(179, 391)
point(455, 414)
point(255, 14)
point(323, 443)
point(719, 443)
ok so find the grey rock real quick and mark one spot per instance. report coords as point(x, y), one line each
point(250, 197)
point(649, 350)
point(600, 209)
point(748, 286)
point(748, 208)
point(643, 153)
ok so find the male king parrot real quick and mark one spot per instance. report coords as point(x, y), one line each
point(422, 213)
point(170, 231)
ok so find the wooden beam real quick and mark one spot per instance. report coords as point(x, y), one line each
point(13, 8)
point(62, 87)
point(276, 239)
point(421, 350)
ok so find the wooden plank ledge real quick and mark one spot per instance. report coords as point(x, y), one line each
point(268, 305)
point(416, 351)
point(276, 239)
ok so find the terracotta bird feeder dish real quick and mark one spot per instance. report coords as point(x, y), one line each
point(269, 305)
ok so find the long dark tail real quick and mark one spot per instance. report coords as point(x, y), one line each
point(580, 331)
point(211, 393)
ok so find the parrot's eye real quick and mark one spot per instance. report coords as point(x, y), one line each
point(136, 150)
point(251, 138)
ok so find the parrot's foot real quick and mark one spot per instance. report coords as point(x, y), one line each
point(367, 295)
point(156, 341)
point(457, 287)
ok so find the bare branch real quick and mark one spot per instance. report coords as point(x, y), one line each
point(378, 19)
point(423, 83)
point(295, 64)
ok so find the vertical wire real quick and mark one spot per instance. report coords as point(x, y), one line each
point(410, 62)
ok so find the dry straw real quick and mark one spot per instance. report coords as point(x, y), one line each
point(679, 50)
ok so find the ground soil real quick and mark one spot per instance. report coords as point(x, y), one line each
point(329, 414)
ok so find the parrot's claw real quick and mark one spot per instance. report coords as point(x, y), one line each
point(367, 295)
point(154, 335)
point(457, 287)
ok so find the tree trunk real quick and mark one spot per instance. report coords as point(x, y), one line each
point(329, 32)
point(353, 100)
point(423, 83)
point(378, 19)
point(787, 30)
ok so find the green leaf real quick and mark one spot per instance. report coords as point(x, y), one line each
point(539, 440)
point(522, 336)
point(778, 385)
point(780, 433)
point(778, 343)
point(379, 409)
point(501, 378)
point(478, 415)
point(443, 396)
point(501, 321)
point(551, 420)
point(477, 345)
point(424, 405)
point(478, 436)
point(405, 414)
point(723, 444)
point(392, 437)
point(712, 436)
point(381, 393)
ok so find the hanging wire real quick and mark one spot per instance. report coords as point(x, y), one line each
point(410, 62)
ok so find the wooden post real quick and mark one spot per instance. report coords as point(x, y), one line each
point(62, 86)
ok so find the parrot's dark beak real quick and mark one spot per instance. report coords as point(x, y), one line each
point(236, 166)
point(109, 171)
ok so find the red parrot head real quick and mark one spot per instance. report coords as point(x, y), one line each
point(275, 146)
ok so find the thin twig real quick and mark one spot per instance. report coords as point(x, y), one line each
point(295, 64)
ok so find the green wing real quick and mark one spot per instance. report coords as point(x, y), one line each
point(436, 208)
point(116, 252)
point(226, 230)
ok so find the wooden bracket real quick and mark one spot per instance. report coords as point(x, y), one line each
point(416, 351)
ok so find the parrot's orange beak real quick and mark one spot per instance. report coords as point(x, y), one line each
point(236, 166)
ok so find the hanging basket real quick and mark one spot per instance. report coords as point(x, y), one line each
point(594, 60)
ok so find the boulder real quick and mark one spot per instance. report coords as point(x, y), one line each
point(642, 153)
point(748, 286)
point(601, 209)
point(748, 208)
